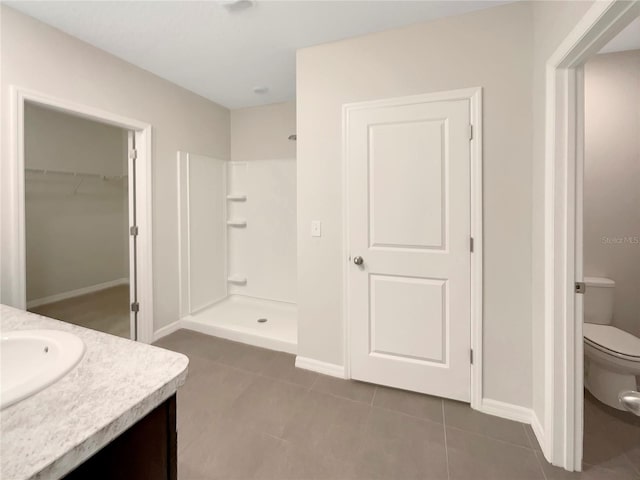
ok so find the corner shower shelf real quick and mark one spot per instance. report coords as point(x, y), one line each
point(237, 223)
point(237, 279)
point(237, 198)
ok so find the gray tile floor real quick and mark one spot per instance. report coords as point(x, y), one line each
point(248, 413)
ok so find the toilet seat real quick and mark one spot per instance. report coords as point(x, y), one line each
point(613, 341)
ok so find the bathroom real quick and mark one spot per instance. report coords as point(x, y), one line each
point(342, 228)
point(611, 251)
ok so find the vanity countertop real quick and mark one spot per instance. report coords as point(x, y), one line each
point(116, 383)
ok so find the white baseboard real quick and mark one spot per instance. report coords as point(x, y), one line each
point(167, 330)
point(518, 414)
point(76, 293)
point(321, 367)
point(538, 431)
point(506, 410)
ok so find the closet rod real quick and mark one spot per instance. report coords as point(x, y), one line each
point(74, 174)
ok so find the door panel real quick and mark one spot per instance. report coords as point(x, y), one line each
point(408, 183)
point(408, 317)
point(409, 218)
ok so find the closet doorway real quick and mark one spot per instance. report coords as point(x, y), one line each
point(76, 220)
point(81, 236)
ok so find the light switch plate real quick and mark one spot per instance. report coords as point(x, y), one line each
point(316, 228)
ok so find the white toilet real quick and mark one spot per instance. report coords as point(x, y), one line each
point(612, 356)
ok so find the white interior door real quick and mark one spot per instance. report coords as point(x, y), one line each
point(409, 223)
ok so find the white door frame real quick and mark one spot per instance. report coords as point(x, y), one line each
point(563, 369)
point(15, 260)
point(474, 95)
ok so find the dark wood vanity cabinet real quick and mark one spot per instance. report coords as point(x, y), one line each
point(147, 451)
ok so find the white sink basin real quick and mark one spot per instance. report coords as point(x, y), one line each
point(31, 360)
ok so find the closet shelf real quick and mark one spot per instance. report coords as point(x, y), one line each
point(237, 279)
point(43, 171)
point(237, 223)
point(237, 198)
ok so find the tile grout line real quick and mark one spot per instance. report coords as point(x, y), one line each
point(339, 397)
point(446, 447)
point(544, 475)
point(373, 397)
point(261, 374)
point(535, 452)
point(528, 437)
point(313, 384)
point(635, 468)
point(405, 414)
point(506, 442)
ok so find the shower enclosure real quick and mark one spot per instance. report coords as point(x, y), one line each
point(237, 224)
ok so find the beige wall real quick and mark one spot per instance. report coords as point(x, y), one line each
point(76, 228)
point(41, 58)
point(552, 22)
point(612, 179)
point(261, 133)
point(491, 49)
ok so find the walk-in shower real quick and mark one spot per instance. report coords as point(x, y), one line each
point(238, 249)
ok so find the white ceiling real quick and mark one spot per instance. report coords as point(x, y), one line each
point(627, 39)
point(223, 55)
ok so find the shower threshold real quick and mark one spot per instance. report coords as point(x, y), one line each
point(258, 322)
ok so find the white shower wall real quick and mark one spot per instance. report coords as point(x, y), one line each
point(263, 252)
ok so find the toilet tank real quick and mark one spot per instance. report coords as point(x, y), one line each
point(598, 300)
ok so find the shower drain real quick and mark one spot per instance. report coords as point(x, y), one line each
point(262, 320)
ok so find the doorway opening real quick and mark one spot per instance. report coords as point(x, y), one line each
point(610, 242)
point(80, 177)
point(77, 221)
point(565, 343)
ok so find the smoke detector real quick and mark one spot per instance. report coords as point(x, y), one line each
point(260, 90)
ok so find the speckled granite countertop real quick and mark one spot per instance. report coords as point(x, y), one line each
point(116, 383)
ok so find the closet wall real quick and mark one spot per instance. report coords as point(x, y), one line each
point(76, 227)
point(263, 167)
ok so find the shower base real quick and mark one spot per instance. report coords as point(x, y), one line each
point(237, 318)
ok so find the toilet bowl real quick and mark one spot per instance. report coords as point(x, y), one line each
point(612, 356)
point(612, 362)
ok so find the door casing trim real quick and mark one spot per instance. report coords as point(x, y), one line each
point(562, 433)
point(16, 249)
point(474, 95)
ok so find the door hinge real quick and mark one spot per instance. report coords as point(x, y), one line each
point(135, 307)
point(471, 244)
point(470, 131)
point(133, 154)
point(471, 356)
point(581, 287)
point(133, 230)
